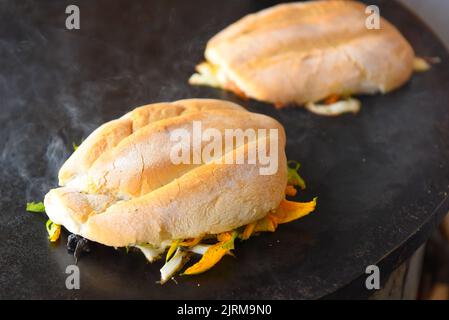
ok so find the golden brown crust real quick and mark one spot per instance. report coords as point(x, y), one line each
point(128, 190)
point(306, 51)
point(107, 136)
point(209, 199)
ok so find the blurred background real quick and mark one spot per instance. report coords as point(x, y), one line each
point(431, 260)
point(435, 13)
point(435, 272)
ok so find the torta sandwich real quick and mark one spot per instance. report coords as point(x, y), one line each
point(121, 187)
point(306, 52)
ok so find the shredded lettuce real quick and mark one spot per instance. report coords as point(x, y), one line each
point(175, 263)
point(151, 253)
point(294, 178)
point(53, 230)
point(174, 245)
point(229, 244)
point(76, 145)
point(200, 248)
point(191, 242)
point(37, 207)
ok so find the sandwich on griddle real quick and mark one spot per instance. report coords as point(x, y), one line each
point(306, 52)
point(128, 185)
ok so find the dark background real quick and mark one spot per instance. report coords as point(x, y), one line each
point(381, 176)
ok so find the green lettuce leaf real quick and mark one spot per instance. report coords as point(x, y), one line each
point(35, 207)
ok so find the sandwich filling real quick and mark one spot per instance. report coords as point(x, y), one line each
point(212, 75)
point(211, 247)
point(122, 188)
point(304, 52)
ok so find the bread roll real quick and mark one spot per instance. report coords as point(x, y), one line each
point(120, 187)
point(304, 52)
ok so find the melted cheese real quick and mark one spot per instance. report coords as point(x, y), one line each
point(349, 105)
point(208, 75)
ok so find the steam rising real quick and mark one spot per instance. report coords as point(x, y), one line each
point(56, 86)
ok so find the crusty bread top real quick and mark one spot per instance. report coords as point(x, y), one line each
point(306, 51)
point(110, 134)
point(120, 186)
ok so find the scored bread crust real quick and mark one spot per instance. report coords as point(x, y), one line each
point(120, 187)
point(307, 51)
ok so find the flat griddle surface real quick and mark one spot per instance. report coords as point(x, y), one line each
point(381, 176)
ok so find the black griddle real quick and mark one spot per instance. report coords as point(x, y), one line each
point(381, 176)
